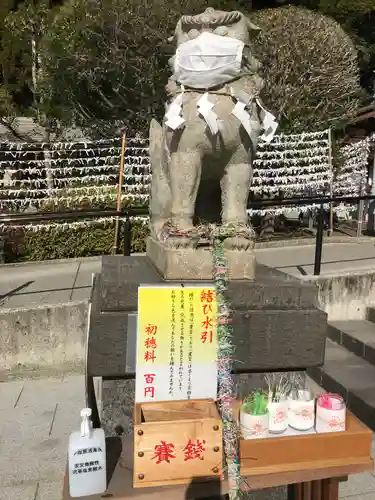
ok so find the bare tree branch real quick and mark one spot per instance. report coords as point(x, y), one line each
point(9, 125)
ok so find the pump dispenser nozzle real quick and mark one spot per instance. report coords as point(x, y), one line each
point(86, 427)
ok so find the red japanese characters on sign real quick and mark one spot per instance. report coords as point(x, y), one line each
point(150, 388)
point(150, 356)
point(150, 391)
point(194, 450)
point(207, 337)
point(207, 298)
point(151, 330)
point(150, 342)
point(164, 451)
point(149, 378)
point(207, 309)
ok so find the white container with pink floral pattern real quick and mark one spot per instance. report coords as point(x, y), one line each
point(278, 416)
point(254, 416)
point(330, 413)
point(301, 414)
point(253, 426)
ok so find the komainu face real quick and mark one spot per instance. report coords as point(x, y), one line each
point(231, 24)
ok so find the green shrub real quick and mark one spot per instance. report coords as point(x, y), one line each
point(64, 243)
point(310, 69)
point(106, 62)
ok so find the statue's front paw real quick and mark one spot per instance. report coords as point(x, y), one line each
point(180, 242)
point(238, 243)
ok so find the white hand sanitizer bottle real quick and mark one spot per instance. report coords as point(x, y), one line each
point(87, 459)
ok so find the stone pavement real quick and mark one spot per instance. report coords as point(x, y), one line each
point(50, 282)
point(56, 282)
point(337, 258)
point(36, 418)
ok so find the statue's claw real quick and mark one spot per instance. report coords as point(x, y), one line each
point(174, 237)
point(238, 243)
point(180, 242)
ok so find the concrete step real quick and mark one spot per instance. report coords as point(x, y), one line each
point(44, 339)
point(358, 336)
point(350, 376)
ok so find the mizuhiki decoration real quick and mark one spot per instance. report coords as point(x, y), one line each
point(72, 173)
point(226, 350)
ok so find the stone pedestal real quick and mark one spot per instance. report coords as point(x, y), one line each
point(276, 320)
point(192, 264)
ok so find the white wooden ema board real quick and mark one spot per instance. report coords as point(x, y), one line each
point(176, 343)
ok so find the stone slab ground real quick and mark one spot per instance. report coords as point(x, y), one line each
point(52, 282)
point(36, 417)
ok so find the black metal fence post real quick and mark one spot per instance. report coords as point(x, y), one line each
point(127, 236)
point(319, 241)
point(2, 250)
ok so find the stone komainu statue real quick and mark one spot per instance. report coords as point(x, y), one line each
point(201, 156)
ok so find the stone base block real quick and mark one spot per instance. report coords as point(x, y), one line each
point(276, 322)
point(196, 264)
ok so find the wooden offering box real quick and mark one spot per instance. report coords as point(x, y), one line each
point(176, 441)
point(305, 452)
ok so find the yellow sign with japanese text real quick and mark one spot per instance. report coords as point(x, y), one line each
point(176, 343)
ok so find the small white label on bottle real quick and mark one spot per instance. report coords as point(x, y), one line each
point(86, 460)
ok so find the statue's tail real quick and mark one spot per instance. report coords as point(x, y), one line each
point(160, 201)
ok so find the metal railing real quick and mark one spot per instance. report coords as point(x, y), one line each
point(124, 215)
point(320, 202)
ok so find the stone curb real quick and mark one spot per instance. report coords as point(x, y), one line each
point(49, 262)
point(333, 240)
point(43, 336)
point(354, 273)
point(39, 308)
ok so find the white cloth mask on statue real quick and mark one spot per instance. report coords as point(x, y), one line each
point(208, 61)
